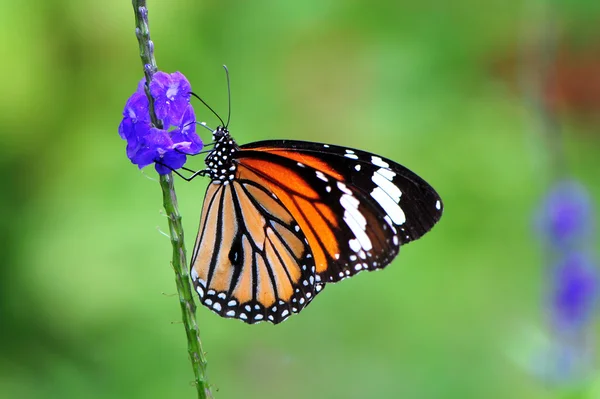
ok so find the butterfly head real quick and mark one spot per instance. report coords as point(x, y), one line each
point(220, 163)
point(219, 133)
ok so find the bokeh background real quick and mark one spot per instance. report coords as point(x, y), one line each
point(87, 297)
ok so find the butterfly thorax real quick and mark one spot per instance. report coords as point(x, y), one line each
point(220, 161)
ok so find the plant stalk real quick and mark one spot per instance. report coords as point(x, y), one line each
point(179, 262)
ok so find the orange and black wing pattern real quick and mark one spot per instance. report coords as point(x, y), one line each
point(283, 218)
point(251, 261)
point(355, 208)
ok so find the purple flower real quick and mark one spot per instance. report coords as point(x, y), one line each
point(566, 215)
point(575, 291)
point(168, 146)
point(171, 95)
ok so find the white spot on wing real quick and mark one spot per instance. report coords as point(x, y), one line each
point(438, 206)
point(357, 167)
point(386, 185)
point(389, 206)
point(379, 162)
point(343, 188)
point(388, 174)
point(389, 222)
point(354, 245)
point(355, 221)
point(351, 156)
point(321, 176)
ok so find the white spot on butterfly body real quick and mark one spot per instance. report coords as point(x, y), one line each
point(438, 205)
point(389, 206)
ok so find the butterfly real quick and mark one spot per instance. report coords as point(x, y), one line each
point(282, 219)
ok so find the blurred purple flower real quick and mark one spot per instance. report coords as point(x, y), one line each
point(575, 291)
point(147, 144)
point(565, 222)
point(566, 216)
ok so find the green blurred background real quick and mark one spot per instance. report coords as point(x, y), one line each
point(87, 296)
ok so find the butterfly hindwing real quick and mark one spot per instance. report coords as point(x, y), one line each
point(250, 260)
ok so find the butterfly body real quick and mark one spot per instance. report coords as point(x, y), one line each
point(283, 218)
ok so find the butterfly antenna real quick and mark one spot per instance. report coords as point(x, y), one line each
point(228, 96)
point(208, 106)
point(203, 124)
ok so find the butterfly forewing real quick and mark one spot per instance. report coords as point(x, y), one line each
point(373, 205)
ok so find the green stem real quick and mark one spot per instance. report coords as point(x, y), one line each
point(179, 263)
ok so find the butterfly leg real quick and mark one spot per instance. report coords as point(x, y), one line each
point(195, 173)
